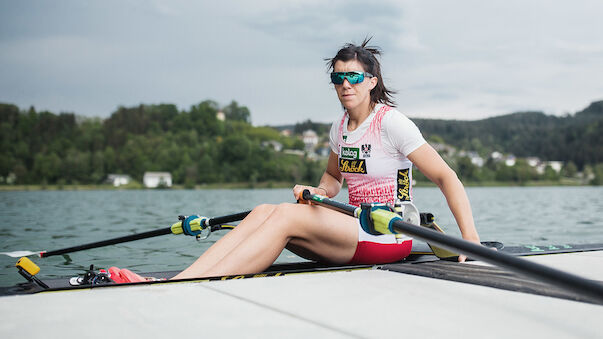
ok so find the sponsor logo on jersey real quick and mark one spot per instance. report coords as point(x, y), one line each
point(350, 153)
point(403, 184)
point(357, 166)
point(366, 150)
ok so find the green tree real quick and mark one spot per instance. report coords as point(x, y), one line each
point(569, 170)
point(238, 113)
point(466, 170)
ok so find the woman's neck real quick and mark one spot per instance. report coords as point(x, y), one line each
point(357, 116)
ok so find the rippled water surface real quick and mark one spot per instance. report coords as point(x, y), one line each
point(48, 220)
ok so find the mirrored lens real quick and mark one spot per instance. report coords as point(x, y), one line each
point(353, 77)
point(337, 78)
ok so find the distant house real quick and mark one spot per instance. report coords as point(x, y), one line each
point(555, 165)
point(220, 116)
point(310, 139)
point(157, 179)
point(118, 179)
point(496, 156)
point(533, 161)
point(510, 160)
point(474, 157)
point(277, 146)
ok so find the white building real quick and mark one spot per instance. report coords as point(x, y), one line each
point(533, 161)
point(474, 157)
point(555, 165)
point(510, 160)
point(310, 139)
point(118, 179)
point(277, 146)
point(156, 179)
point(496, 156)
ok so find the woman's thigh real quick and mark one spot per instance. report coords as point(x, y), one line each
point(318, 233)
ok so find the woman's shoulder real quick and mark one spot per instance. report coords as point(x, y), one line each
point(394, 116)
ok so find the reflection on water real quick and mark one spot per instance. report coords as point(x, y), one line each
point(51, 220)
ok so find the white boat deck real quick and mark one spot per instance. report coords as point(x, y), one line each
point(364, 303)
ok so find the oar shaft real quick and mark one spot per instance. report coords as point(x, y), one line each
point(108, 242)
point(227, 218)
point(531, 269)
point(211, 222)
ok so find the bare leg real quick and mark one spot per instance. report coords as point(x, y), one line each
point(322, 233)
point(229, 241)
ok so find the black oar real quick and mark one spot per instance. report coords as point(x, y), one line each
point(211, 222)
point(577, 284)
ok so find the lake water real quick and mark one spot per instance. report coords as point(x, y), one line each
point(47, 220)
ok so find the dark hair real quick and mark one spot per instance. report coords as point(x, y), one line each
point(367, 56)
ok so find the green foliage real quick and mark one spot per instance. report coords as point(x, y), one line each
point(319, 128)
point(238, 113)
point(598, 175)
point(196, 147)
point(577, 138)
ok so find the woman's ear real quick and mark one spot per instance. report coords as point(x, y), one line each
point(374, 82)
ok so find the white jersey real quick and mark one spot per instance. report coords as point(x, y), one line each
point(372, 158)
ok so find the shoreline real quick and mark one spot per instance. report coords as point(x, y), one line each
point(268, 185)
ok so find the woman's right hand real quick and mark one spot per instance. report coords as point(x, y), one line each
point(299, 189)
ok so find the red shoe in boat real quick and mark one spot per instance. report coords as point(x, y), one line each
point(124, 275)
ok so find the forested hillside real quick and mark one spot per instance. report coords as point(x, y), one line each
point(195, 146)
point(577, 138)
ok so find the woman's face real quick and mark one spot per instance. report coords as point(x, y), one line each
point(358, 96)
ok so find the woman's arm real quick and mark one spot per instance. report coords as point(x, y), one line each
point(429, 162)
point(330, 183)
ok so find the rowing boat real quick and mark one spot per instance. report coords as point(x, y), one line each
point(420, 296)
point(422, 262)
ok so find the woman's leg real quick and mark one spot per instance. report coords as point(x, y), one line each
point(323, 233)
point(230, 240)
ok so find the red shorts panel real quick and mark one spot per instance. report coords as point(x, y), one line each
point(370, 253)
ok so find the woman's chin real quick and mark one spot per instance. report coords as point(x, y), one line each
point(349, 104)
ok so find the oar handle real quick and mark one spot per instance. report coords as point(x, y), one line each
point(330, 203)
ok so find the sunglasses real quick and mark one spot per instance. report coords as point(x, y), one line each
point(353, 77)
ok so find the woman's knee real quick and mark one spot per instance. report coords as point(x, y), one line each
point(289, 217)
point(263, 209)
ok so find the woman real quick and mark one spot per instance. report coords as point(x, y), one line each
point(373, 148)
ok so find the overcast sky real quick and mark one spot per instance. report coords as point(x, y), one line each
point(446, 59)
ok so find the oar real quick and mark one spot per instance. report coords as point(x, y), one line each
point(389, 222)
point(174, 229)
